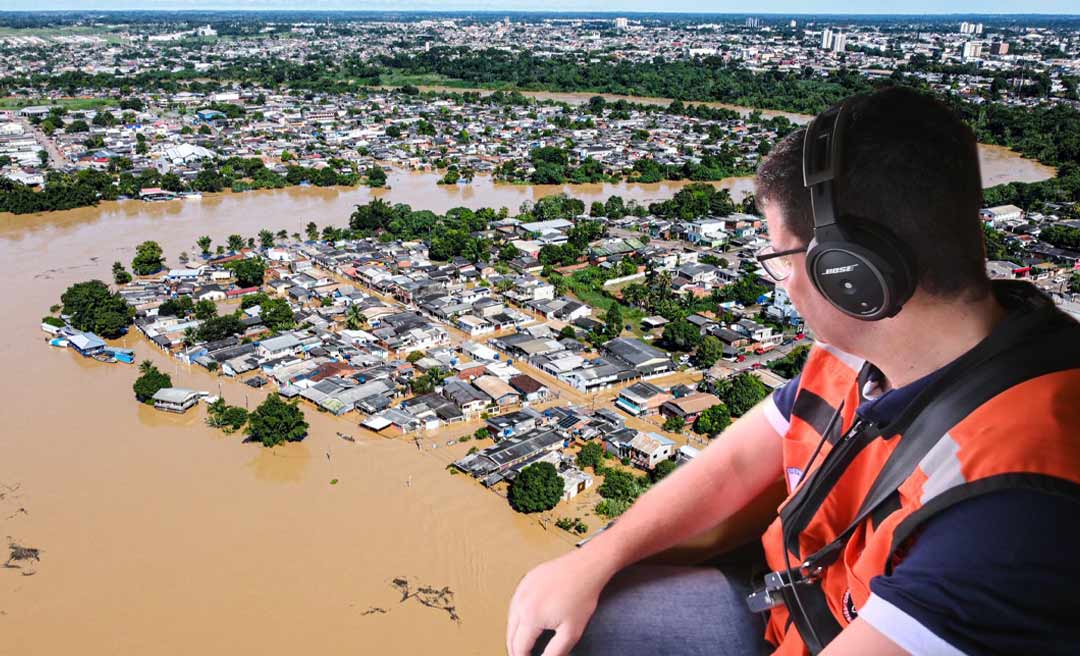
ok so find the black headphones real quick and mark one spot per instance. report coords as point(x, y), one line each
point(858, 266)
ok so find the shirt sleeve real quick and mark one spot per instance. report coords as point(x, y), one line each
point(779, 404)
point(990, 575)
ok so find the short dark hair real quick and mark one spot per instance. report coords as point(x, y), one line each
point(912, 166)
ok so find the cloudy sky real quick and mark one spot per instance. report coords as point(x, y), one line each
point(719, 6)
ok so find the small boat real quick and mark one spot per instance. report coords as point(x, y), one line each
point(58, 342)
point(347, 438)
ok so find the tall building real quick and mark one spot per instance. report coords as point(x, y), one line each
point(826, 39)
point(621, 23)
point(999, 48)
point(793, 23)
point(964, 27)
point(972, 50)
point(753, 22)
point(978, 29)
point(839, 42)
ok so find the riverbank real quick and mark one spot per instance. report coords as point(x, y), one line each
point(421, 190)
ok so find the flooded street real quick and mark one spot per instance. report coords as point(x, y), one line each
point(159, 535)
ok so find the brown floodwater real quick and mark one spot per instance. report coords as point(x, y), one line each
point(160, 535)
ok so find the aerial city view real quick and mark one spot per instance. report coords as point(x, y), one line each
point(324, 327)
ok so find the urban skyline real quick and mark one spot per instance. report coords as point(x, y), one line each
point(1002, 7)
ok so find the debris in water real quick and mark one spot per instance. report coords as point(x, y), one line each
point(19, 554)
point(333, 481)
point(439, 599)
point(374, 609)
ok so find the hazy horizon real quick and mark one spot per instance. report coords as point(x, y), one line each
point(770, 7)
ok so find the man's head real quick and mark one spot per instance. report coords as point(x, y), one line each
point(911, 165)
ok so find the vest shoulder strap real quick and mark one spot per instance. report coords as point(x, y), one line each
point(1040, 343)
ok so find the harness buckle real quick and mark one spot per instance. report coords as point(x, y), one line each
point(771, 595)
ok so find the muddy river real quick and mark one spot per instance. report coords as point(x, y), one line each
point(159, 535)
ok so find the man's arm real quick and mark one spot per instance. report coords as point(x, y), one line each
point(562, 594)
point(728, 474)
point(860, 638)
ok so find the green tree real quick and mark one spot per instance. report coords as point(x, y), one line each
point(508, 252)
point(661, 471)
point(277, 315)
point(591, 455)
point(792, 363)
point(93, 308)
point(205, 309)
point(251, 300)
point(228, 418)
point(249, 271)
point(148, 259)
point(208, 180)
point(120, 275)
point(176, 307)
point(613, 321)
point(414, 356)
point(355, 318)
point(204, 244)
point(681, 335)
point(151, 380)
point(537, 487)
point(216, 328)
point(312, 231)
point(710, 350)
point(621, 486)
point(741, 392)
point(713, 420)
point(426, 383)
point(236, 243)
point(376, 176)
point(674, 424)
point(276, 421)
point(266, 238)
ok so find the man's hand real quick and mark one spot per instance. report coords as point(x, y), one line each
point(560, 594)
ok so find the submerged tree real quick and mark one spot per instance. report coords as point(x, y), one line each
point(538, 487)
point(151, 380)
point(148, 259)
point(276, 421)
point(91, 307)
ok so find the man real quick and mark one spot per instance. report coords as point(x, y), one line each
point(969, 554)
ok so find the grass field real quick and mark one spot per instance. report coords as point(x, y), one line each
point(599, 301)
point(397, 79)
point(50, 32)
point(75, 104)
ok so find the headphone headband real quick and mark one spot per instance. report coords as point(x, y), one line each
point(861, 268)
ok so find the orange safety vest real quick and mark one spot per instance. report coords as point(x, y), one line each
point(1015, 404)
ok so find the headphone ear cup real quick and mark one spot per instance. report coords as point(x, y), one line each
point(863, 273)
point(897, 262)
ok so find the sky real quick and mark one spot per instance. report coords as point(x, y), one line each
point(682, 6)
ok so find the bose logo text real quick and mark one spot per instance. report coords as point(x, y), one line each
point(843, 269)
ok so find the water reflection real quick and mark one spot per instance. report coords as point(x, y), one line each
point(285, 463)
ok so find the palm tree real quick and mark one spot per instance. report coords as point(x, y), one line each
point(355, 318)
point(146, 366)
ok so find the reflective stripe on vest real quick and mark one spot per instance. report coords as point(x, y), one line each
point(1018, 438)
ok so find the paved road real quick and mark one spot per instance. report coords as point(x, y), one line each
point(56, 158)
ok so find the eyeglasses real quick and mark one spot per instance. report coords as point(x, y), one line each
point(777, 263)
